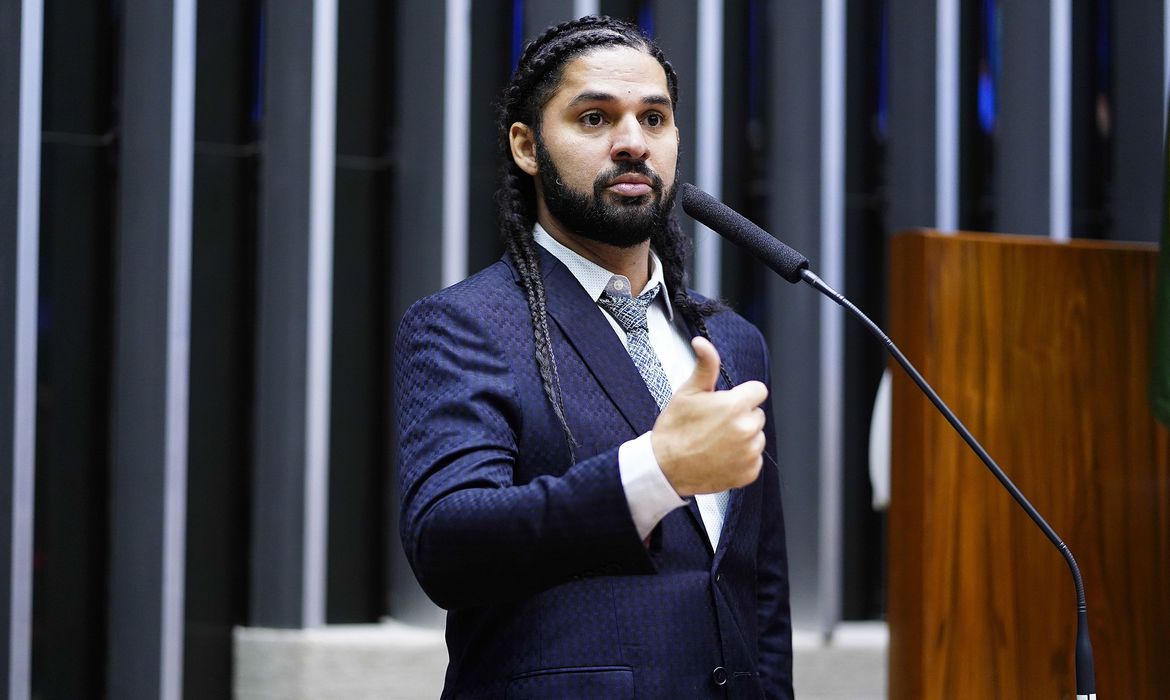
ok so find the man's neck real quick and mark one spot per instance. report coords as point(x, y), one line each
point(633, 262)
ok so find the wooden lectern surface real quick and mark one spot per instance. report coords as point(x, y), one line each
point(1042, 350)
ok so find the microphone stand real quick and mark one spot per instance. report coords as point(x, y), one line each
point(1086, 676)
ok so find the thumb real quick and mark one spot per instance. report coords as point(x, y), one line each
point(706, 367)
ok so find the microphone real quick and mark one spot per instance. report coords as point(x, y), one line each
point(734, 226)
point(794, 267)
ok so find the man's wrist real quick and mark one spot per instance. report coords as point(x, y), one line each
point(648, 492)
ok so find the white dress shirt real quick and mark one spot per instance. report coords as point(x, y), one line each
point(648, 493)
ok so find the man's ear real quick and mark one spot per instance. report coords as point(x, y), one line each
point(523, 142)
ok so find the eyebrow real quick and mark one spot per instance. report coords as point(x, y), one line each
point(662, 100)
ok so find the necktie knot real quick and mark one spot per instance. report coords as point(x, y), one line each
point(629, 311)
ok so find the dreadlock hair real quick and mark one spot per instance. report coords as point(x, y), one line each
point(538, 74)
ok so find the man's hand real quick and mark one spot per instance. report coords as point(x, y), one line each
point(707, 441)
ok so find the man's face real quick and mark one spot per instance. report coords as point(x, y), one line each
point(607, 149)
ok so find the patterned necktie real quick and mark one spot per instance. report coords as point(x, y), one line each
point(630, 313)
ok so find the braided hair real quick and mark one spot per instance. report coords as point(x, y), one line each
point(537, 76)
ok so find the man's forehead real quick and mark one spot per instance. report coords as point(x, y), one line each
point(612, 70)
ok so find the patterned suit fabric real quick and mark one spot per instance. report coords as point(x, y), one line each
point(551, 593)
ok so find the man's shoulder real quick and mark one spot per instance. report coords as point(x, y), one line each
point(493, 288)
point(726, 322)
point(741, 345)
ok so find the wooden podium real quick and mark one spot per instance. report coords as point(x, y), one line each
point(1042, 350)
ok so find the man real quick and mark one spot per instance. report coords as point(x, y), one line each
point(583, 487)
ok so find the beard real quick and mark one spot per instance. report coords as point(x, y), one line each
point(625, 223)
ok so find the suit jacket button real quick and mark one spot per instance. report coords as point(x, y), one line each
point(719, 675)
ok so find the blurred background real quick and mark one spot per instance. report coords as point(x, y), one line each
point(215, 212)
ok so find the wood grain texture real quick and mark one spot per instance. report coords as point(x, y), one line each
point(1042, 350)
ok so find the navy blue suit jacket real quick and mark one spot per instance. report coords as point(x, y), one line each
point(550, 591)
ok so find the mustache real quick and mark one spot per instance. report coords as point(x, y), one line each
point(627, 167)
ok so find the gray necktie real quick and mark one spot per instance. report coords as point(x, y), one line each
point(630, 313)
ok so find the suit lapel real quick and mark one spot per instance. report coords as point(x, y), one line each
point(731, 517)
point(584, 326)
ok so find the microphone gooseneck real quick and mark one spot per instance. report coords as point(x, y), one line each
point(794, 267)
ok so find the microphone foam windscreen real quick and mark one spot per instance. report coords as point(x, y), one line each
point(734, 226)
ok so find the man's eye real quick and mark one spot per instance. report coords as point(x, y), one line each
point(592, 119)
point(654, 120)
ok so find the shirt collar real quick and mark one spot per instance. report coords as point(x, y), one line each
point(595, 278)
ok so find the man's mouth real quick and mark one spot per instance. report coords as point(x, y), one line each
point(631, 185)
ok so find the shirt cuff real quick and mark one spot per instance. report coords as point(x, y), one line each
point(648, 493)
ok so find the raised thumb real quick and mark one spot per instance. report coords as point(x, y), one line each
point(706, 367)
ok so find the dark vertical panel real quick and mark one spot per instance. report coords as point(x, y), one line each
point(1022, 160)
point(863, 536)
point(69, 594)
point(1091, 118)
point(10, 62)
point(629, 9)
point(910, 165)
point(793, 318)
point(78, 184)
point(676, 31)
point(416, 222)
point(222, 316)
point(147, 479)
point(81, 40)
point(278, 581)
point(980, 76)
point(357, 473)
point(219, 450)
point(491, 66)
point(357, 534)
point(542, 14)
point(1135, 199)
point(744, 168)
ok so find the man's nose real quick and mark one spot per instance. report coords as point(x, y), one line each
point(628, 140)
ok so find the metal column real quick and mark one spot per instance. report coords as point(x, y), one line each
point(416, 221)
point(539, 16)
point(801, 345)
point(294, 307)
point(20, 139)
point(914, 127)
point(1139, 105)
point(1024, 154)
point(149, 438)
